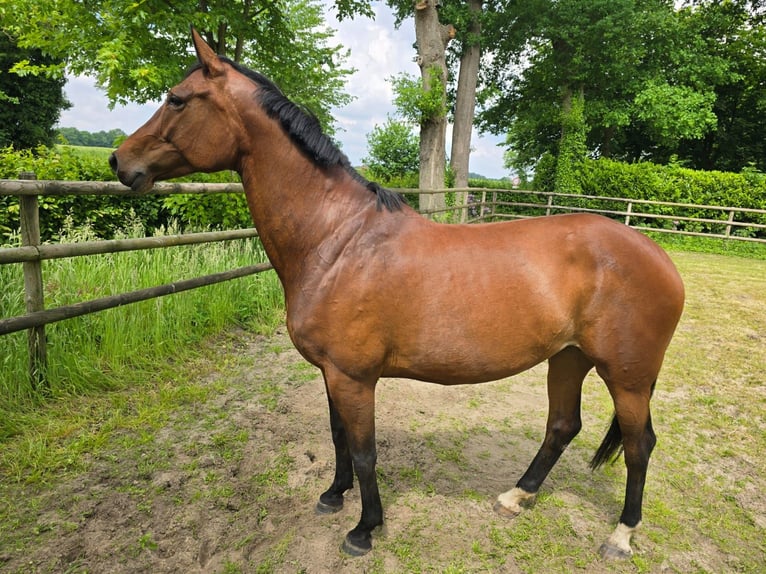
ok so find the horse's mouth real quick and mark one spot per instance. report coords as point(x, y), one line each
point(139, 183)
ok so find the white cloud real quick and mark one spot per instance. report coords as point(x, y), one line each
point(378, 51)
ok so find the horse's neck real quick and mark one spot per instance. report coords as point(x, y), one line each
point(297, 208)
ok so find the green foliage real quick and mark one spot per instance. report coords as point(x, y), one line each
point(393, 153)
point(645, 180)
point(572, 150)
point(545, 173)
point(673, 183)
point(210, 211)
point(414, 102)
point(104, 215)
point(137, 50)
point(675, 113)
point(59, 162)
point(73, 136)
point(31, 102)
point(660, 79)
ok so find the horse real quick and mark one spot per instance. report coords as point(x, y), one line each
point(373, 289)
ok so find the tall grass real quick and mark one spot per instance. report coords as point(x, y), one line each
point(124, 346)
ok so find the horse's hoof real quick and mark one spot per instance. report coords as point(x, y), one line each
point(324, 508)
point(357, 547)
point(504, 511)
point(329, 503)
point(609, 551)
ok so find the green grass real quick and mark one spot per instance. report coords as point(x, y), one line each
point(129, 344)
point(89, 152)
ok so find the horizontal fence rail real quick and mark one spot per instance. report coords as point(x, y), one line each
point(488, 204)
point(36, 252)
point(469, 205)
point(51, 187)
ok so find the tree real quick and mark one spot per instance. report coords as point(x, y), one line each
point(432, 38)
point(73, 136)
point(465, 97)
point(437, 23)
point(734, 32)
point(544, 52)
point(572, 149)
point(467, 20)
point(393, 152)
point(656, 80)
point(32, 102)
point(135, 50)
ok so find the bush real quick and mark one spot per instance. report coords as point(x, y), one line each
point(673, 183)
point(649, 181)
point(104, 214)
point(210, 211)
point(393, 152)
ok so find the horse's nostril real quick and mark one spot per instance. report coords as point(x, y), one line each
point(113, 162)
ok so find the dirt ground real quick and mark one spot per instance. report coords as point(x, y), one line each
point(229, 484)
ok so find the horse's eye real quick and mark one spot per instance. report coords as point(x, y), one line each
point(175, 102)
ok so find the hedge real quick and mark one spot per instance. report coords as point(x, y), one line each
point(674, 183)
point(646, 180)
point(107, 214)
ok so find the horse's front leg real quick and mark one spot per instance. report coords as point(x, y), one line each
point(332, 499)
point(352, 417)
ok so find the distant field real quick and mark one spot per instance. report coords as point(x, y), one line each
point(88, 151)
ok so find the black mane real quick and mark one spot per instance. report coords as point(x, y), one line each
point(305, 131)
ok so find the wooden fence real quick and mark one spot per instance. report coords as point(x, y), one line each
point(714, 221)
point(32, 253)
point(478, 205)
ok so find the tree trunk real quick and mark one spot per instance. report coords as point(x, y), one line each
point(432, 38)
point(465, 102)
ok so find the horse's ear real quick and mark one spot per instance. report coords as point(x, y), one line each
point(211, 64)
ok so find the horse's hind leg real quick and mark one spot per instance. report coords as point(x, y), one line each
point(638, 440)
point(566, 372)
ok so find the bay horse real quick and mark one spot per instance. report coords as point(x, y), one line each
point(375, 290)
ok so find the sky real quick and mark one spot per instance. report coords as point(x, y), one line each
point(378, 51)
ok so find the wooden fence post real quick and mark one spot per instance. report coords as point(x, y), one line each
point(33, 287)
point(628, 212)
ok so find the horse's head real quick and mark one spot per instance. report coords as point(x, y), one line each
point(194, 130)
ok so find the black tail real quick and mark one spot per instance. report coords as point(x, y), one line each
point(611, 446)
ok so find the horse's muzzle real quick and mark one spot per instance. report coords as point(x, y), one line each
point(138, 181)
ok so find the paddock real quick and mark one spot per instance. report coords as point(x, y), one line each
point(224, 479)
